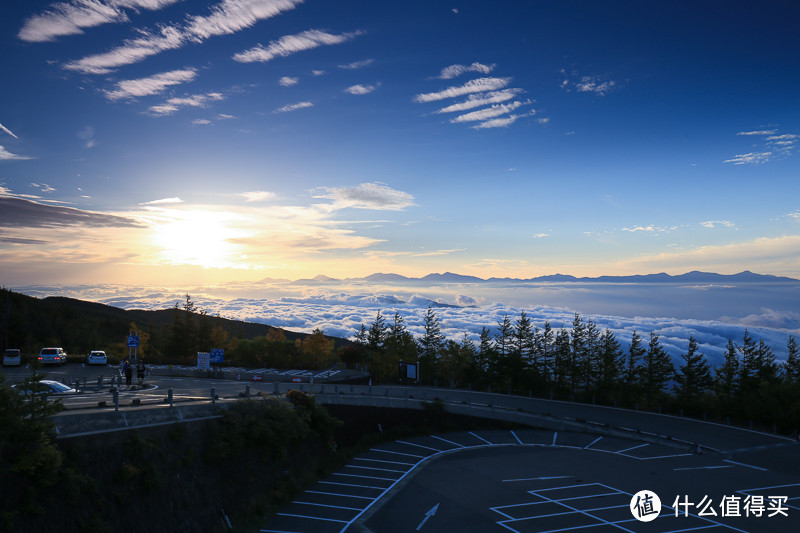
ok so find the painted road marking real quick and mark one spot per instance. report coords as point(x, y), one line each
point(374, 468)
point(447, 441)
point(742, 464)
point(480, 438)
point(595, 440)
point(633, 448)
point(703, 467)
point(404, 468)
point(419, 446)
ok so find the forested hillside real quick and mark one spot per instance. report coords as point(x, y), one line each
point(169, 335)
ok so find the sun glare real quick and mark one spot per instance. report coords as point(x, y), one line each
point(200, 238)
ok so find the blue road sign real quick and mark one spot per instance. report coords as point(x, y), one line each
point(217, 355)
point(133, 341)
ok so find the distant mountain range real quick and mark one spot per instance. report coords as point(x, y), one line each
point(449, 277)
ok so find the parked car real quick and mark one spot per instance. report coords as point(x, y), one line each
point(97, 357)
point(12, 357)
point(45, 387)
point(53, 356)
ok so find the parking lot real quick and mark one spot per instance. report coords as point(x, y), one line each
point(530, 480)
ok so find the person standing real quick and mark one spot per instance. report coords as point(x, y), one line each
point(140, 370)
point(128, 373)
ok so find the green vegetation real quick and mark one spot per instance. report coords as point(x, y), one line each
point(187, 477)
point(169, 336)
point(582, 363)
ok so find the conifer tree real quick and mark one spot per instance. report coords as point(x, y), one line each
point(791, 367)
point(635, 353)
point(657, 369)
point(694, 375)
point(611, 363)
point(726, 374)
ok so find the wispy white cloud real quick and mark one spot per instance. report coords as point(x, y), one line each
point(478, 85)
point(587, 84)
point(357, 64)
point(3, 128)
point(291, 44)
point(293, 107)
point(758, 132)
point(44, 187)
point(227, 17)
point(201, 122)
point(489, 112)
point(360, 89)
point(5, 155)
point(70, 18)
point(715, 223)
point(376, 196)
point(257, 196)
point(454, 71)
point(196, 100)
point(751, 158)
point(162, 201)
point(155, 84)
point(481, 99)
point(773, 145)
point(498, 122)
point(288, 81)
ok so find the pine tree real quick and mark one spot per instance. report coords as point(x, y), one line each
point(545, 346)
point(611, 363)
point(694, 375)
point(562, 359)
point(791, 367)
point(725, 378)
point(431, 344)
point(657, 369)
point(635, 353)
point(377, 333)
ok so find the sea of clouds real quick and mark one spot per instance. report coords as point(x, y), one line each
point(712, 314)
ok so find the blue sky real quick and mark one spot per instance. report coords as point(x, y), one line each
point(167, 141)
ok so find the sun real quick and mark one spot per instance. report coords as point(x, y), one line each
point(202, 238)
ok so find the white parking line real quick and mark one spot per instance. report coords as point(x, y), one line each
point(595, 440)
point(747, 466)
point(374, 468)
point(331, 506)
point(480, 438)
point(365, 477)
point(633, 448)
point(419, 446)
point(398, 453)
point(337, 494)
point(448, 441)
point(351, 485)
point(311, 517)
point(382, 461)
point(515, 436)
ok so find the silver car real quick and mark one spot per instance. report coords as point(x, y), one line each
point(12, 357)
point(55, 356)
point(97, 357)
point(44, 387)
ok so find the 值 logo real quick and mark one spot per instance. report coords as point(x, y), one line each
point(645, 506)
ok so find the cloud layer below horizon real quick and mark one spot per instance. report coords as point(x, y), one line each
point(340, 309)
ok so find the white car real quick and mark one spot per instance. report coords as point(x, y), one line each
point(97, 357)
point(12, 357)
point(55, 356)
point(45, 387)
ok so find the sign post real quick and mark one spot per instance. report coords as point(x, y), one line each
point(203, 360)
point(133, 342)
